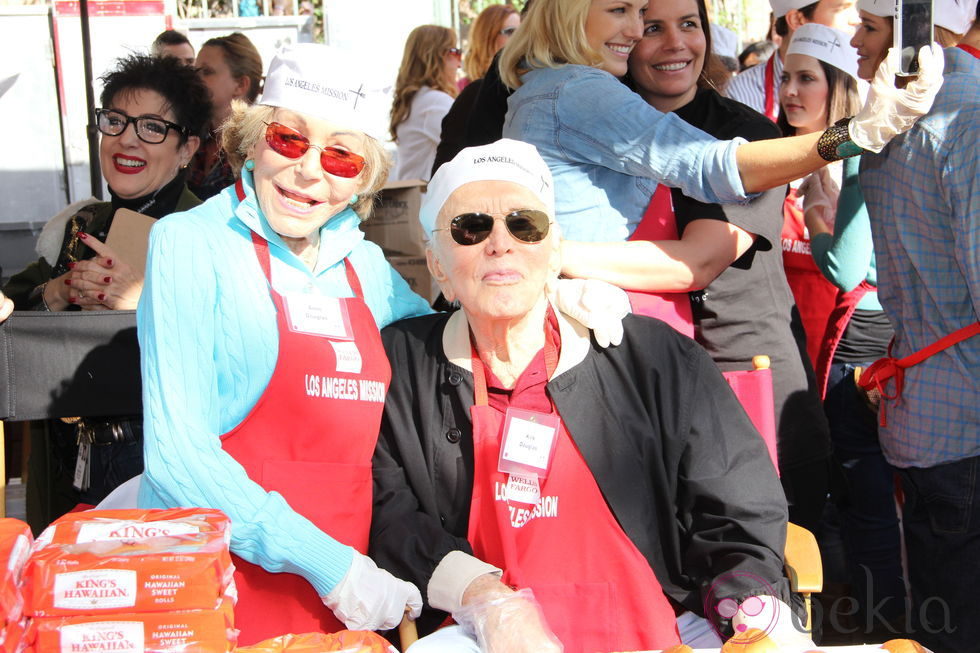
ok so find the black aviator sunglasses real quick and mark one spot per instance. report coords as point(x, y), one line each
point(525, 225)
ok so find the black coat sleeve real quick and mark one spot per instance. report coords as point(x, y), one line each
point(415, 524)
point(680, 464)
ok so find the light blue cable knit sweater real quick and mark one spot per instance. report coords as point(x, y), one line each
point(209, 342)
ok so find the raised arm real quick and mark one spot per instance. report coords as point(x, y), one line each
point(714, 236)
point(886, 113)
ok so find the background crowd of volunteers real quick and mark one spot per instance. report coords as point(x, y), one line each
point(853, 238)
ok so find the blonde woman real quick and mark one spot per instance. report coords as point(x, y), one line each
point(424, 92)
point(490, 32)
point(607, 148)
point(252, 407)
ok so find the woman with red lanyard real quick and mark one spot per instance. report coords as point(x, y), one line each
point(263, 372)
point(856, 333)
point(512, 444)
point(813, 95)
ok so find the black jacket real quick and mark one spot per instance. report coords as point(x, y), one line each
point(676, 458)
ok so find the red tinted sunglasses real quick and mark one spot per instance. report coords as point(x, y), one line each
point(292, 145)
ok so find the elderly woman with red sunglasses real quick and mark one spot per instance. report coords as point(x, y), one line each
point(264, 377)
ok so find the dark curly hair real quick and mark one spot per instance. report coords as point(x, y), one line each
point(179, 85)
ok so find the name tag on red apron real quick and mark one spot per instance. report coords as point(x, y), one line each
point(527, 447)
point(317, 315)
point(528, 442)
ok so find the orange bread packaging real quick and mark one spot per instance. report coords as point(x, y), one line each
point(15, 546)
point(182, 631)
point(344, 641)
point(124, 561)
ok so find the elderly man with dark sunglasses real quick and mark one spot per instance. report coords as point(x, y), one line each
point(618, 484)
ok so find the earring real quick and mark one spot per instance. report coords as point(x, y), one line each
point(353, 199)
point(249, 165)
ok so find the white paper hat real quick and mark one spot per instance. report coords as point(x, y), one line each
point(884, 8)
point(319, 81)
point(955, 15)
point(505, 160)
point(827, 44)
point(782, 7)
point(724, 42)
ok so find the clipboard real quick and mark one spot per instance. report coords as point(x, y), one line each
point(129, 237)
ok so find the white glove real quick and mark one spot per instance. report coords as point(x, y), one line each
point(369, 598)
point(6, 307)
point(598, 305)
point(890, 111)
point(776, 620)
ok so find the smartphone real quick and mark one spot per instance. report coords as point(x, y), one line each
point(913, 30)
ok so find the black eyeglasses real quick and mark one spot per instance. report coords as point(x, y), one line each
point(455, 51)
point(525, 225)
point(149, 130)
point(508, 31)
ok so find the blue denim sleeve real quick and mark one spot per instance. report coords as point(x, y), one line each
point(604, 123)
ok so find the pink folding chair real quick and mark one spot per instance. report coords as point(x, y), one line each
point(754, 391)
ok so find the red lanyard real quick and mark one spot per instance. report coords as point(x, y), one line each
point(969, 48)
point(770, 90)
point(480, 376)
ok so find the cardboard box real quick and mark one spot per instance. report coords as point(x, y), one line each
point(394, 224)
point(414, 270)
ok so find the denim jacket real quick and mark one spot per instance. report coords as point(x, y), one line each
point(608, 149)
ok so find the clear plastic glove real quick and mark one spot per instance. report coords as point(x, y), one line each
point(509, 623)
point(6, 307)
point(598, 305)
point(820, 193)
point(890, 111)
point(775, 618)
point(369, 598)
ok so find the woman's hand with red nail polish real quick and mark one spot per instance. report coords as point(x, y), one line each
point(100, 290)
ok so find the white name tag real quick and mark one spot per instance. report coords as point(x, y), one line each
point(317, 315)
point(528, 442)
point(348, 357)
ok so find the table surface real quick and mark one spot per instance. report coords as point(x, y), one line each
point(860, 648)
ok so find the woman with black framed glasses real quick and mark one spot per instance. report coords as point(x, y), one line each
point(154, 112)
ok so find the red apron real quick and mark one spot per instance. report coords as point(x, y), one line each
point(674, 308)
point(846, 303)
point(815, 297)
point(313, 447)
point(596, 589)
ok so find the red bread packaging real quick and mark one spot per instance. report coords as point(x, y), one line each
point(12, 638)
point(122, 561)
point(344, 641)
point(182, 631)
point(15, 546)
